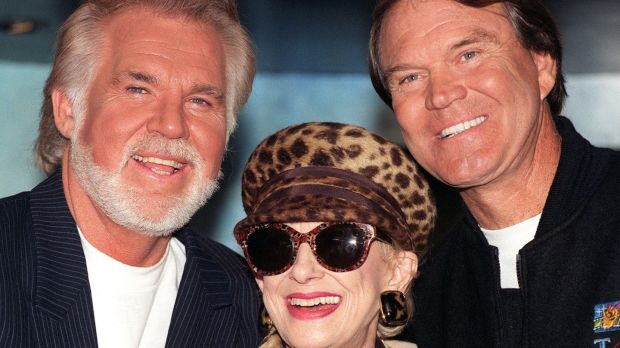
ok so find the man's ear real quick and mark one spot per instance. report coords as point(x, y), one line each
point(547, 72)
point(63, 113)
point(404, 270)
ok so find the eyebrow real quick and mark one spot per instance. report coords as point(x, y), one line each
point(143, 77)
point(475, 37)
point(389, 72)
point(135, 75)
point(207, 89)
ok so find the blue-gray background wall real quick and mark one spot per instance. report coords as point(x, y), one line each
point(311, 66)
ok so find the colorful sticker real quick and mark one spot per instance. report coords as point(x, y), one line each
point(607, 317)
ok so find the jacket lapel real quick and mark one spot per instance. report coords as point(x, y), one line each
point(61, 288)
point(203, 296)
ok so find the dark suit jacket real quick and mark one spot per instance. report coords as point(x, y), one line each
point(45, 298)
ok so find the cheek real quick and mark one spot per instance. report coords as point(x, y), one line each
point(362, 307)
point(518, 94)
point(273, 302)
point(273, 306)
point(368, 283)
point(112, 119)
point(418, 150)
point(111, 132)
point(210, 139)
point(410, 114)
point(506, 81)
point(105, 137)
point(417, 135)
point(269, 284)
point(492, 80)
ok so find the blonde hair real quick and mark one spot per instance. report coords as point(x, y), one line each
point(77, 49)
point(390, 252)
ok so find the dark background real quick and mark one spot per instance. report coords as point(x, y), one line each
point(330, 36)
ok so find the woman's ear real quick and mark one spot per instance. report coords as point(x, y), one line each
point(404, 269)
point(63, 113)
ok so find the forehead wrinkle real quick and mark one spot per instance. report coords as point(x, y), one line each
point(149, 43)
point(404, 32)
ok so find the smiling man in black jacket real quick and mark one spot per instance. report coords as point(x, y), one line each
point(477, 89)
point(141, 100)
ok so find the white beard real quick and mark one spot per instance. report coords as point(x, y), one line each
point(125, 204)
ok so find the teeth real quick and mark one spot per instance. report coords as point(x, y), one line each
point(160, 172)
point(170, 163)
point(302, 302)
point(461, 127)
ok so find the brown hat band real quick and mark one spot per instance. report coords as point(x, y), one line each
point(353, 187)
point(321, 172)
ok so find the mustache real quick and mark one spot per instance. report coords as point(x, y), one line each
point(162, 145)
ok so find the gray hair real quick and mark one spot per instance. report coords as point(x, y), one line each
point(76, 55)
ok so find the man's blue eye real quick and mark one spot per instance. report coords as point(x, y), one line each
point(469, 55)
point(199, 101)
point(138, 90)
point(410, 78)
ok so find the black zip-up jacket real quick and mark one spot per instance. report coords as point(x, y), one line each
point(569, 275)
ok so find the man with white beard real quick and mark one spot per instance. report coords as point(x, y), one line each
point(139, 105)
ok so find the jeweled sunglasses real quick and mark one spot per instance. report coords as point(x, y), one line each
point(271, 248)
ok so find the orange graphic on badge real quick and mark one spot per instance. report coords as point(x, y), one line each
point(611, 315)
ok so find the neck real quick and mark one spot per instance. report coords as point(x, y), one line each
point(127, 246)
point(521, 192)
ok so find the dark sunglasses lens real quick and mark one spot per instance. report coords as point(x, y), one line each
point(270, 249)
point(340, 246)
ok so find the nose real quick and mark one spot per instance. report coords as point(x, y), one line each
point(443, 89)
point(169, 120)
point(306, 267)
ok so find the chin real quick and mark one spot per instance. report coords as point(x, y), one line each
point(309, 340)
point(326, 334)
point(464, 176)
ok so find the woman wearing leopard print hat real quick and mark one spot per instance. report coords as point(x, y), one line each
point(337, 218)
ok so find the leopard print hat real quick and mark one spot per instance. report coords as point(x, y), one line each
point(321, 171)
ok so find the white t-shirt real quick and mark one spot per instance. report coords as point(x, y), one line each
point(133, 305)
point(509, 241)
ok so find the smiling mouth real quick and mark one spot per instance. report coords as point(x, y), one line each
point(461, 127)
point(313, 302)
point(159, 166)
